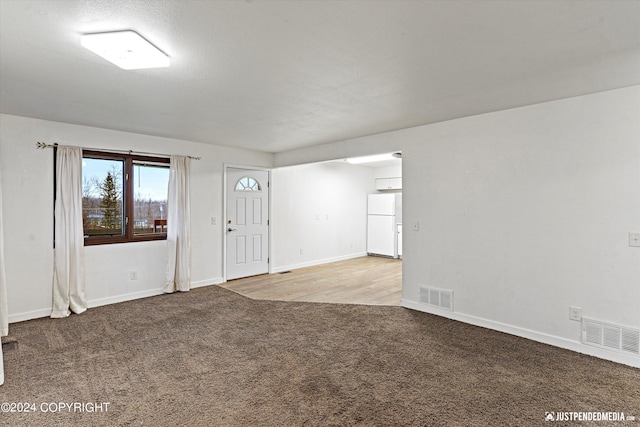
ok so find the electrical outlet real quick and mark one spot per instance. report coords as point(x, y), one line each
point(133, 275)
point(213, 220)
point(575, 313)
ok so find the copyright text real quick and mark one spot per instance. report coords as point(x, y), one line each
point(55, 407)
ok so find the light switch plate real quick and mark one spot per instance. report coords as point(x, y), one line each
point(415, 226)
point(634, 240)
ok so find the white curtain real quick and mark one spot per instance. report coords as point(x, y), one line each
point(178, 274)
point(4, 310)
point(68, 277)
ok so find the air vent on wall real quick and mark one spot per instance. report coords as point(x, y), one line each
point(442, 298)
point(609, 336)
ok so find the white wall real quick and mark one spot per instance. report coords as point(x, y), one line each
point(522, 213)
point(27, 175)
point(320, 209)
point(388, 172)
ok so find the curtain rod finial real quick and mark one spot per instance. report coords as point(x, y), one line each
point(40, 144)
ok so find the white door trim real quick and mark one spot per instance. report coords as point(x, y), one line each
point(224, 212)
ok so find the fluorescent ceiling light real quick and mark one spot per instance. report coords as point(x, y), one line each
point(126, 49)
point(372, 159)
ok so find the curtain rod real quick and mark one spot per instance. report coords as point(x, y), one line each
point(45, 145)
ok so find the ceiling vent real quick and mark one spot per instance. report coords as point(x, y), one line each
point(610, 336)
point(441, 298)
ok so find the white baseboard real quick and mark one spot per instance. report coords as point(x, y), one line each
point(28, 315)
point(46, 312)
point(317, 262)
point(124, 297)
point(208, 282)
point(526, 333)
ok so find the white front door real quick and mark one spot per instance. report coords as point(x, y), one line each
point(247, 222)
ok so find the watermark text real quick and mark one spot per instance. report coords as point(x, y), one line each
point(55, 407)
point(603, 416)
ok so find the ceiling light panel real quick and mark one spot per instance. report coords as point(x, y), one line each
point(126, 49)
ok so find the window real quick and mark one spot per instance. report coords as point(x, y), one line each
point(124, 197)
point(247, 184)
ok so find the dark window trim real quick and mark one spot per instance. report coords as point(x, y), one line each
point(127, 188)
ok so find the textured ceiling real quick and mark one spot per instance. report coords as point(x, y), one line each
point(279, 75)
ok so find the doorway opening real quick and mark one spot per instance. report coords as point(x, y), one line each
point(320, 230)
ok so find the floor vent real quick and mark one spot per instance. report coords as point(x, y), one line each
point(609, 336)
point(442, 298)
point(285, 272)
point(9, 343)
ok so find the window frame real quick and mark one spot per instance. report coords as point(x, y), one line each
point(249, 189)
point(128, 197)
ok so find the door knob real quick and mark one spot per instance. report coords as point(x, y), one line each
point(231, 229)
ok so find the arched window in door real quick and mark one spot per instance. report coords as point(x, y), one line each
point(246, 183)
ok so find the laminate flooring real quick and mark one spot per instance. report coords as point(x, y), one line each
point(365, 280)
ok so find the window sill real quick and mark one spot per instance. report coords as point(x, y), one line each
point(123, 239)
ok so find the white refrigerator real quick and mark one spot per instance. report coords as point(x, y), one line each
point(384, 214)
